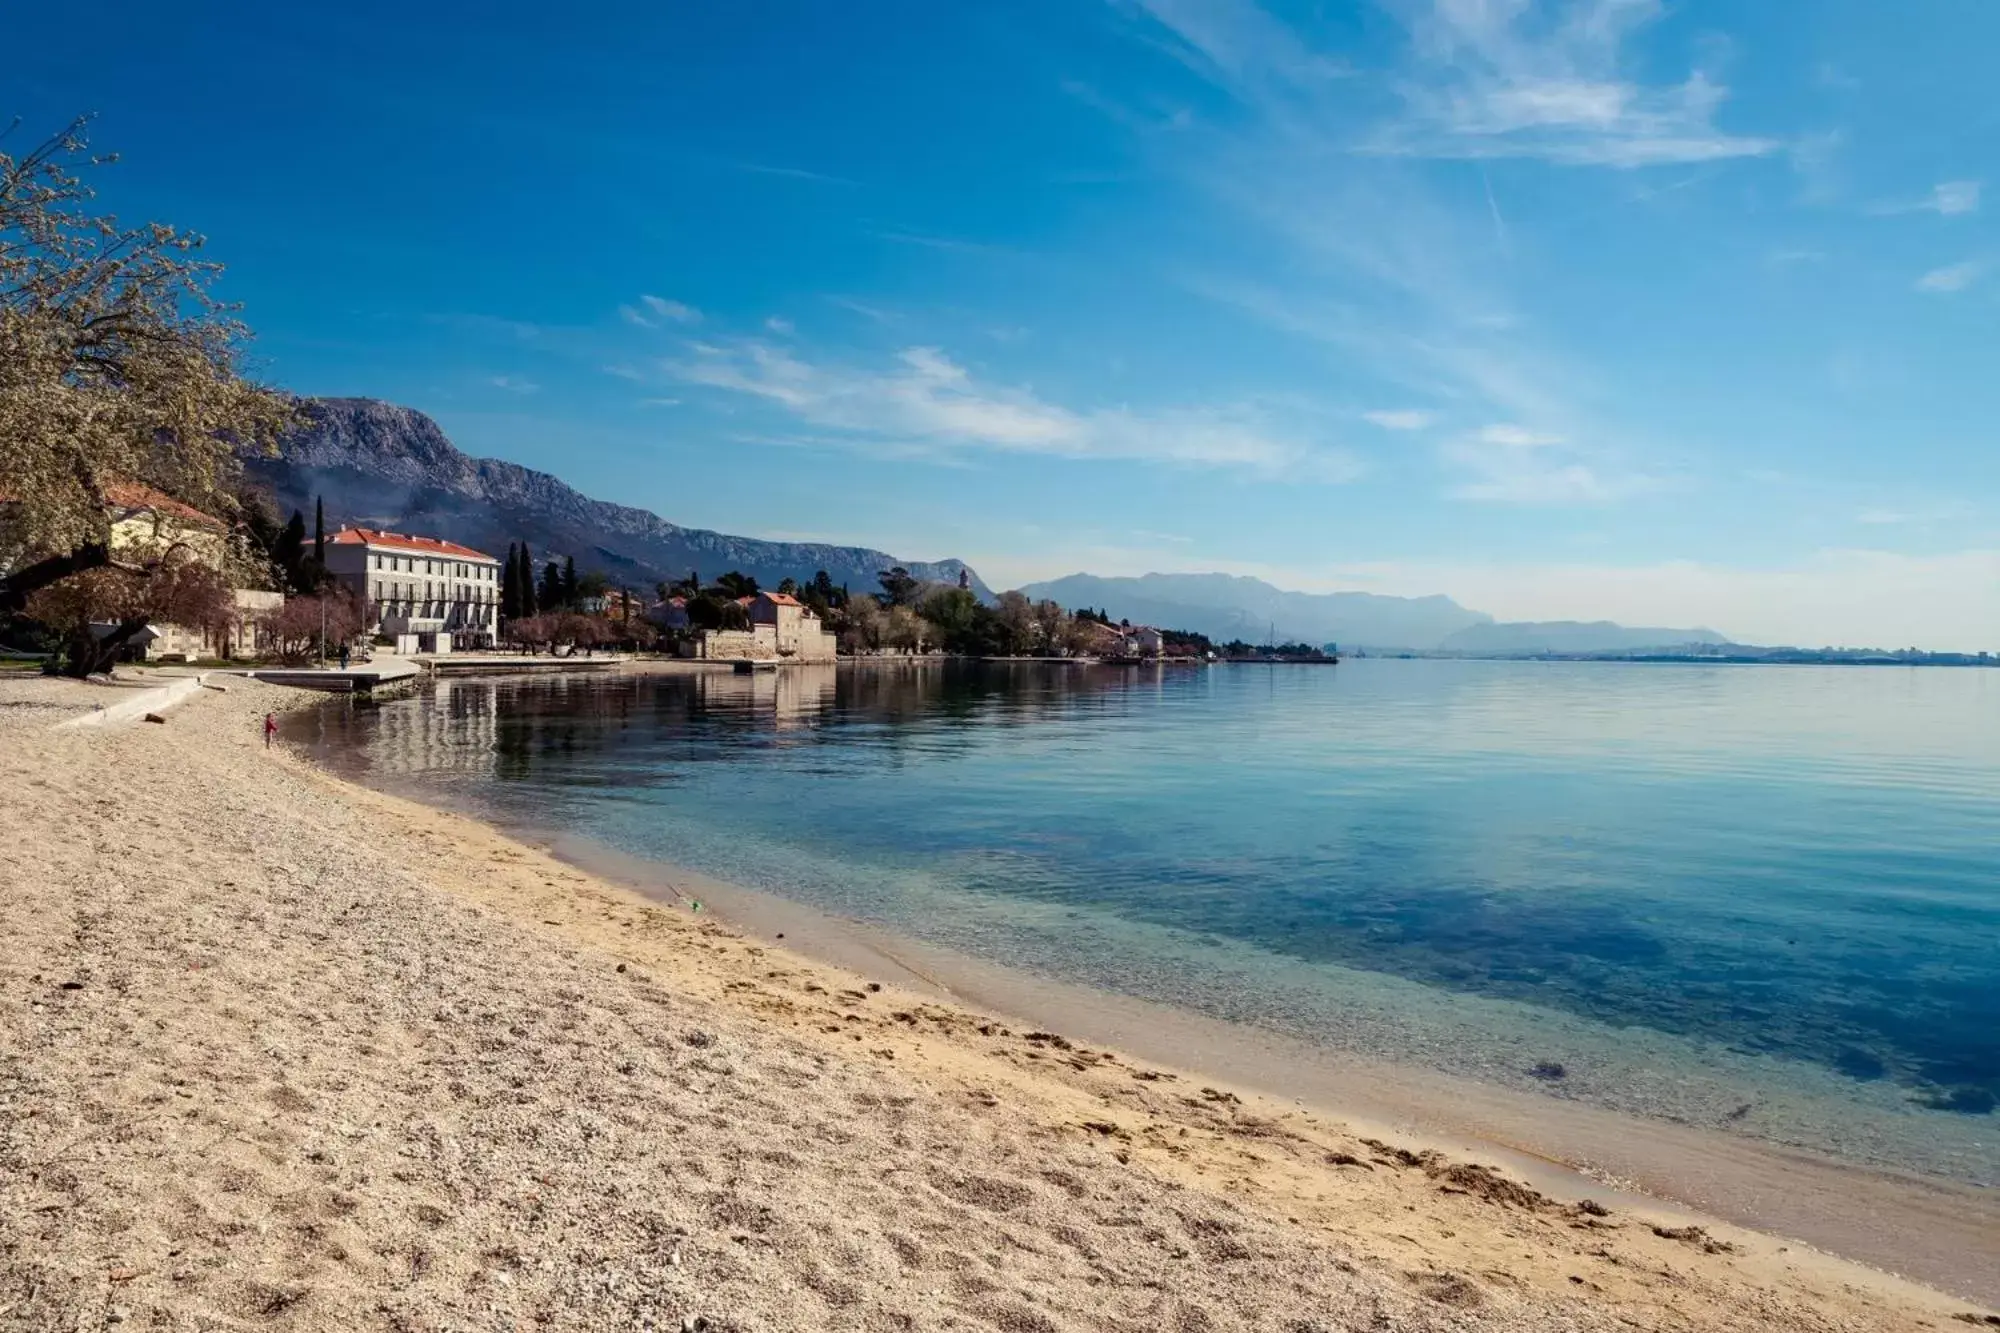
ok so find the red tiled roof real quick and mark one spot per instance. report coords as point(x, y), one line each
point(402, 542)
point(782, 598)
point(136, 495)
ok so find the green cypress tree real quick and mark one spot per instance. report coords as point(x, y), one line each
point(569, 583)
point(509, 608)
point(289, 553)
point(527, 581)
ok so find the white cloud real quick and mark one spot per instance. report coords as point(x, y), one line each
point(676, 311)
point(1948, 199)
point(1505, 78)
point(513, 384)
point(1952, 277)
point(1952, 198)
point(1516, 437)
point(659, 309)
point(780, 325)
point(926, 403)
point(1402, 418)
point(1487, 79)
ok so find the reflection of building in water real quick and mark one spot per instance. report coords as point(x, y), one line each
point(793, 695)
point(457, 730)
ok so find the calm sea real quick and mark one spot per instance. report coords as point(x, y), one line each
point(1763, 899)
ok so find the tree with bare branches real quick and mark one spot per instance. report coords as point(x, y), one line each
point(118, 366)
point(297, 626)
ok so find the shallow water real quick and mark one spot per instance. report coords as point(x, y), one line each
point(1766, 899)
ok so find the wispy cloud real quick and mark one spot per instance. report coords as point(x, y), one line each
point(866, 311)
point(929, 242)
point(1400, 419)
point(513, 384)
point(1952, 198)
point(781, 326)
point(1920, 512)
point(1410, 283)
point(926, 402)
point(792, 173)
point(1511, 464)
point(1947, 199)
point(658, 311)
point(1504, 78)
point(1235, 42)
point(676, 311)
point(1952, 277)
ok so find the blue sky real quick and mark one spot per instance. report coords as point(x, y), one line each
point(1672, 313)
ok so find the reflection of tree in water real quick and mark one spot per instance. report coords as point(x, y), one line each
point(1003, 693)
point(512, 727)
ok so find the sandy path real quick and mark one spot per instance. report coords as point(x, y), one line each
point(277, 1052)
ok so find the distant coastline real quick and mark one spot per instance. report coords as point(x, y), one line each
point(1728, 655)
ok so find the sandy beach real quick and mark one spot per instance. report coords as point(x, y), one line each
point(280, 1052)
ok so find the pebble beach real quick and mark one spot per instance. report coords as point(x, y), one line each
point(280, 1052)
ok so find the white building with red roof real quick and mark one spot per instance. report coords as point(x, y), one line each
point(420, 586)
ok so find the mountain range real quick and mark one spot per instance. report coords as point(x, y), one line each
point(1225, 606)
point(376, 464)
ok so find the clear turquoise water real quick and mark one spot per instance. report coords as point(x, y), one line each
point(1698, 889)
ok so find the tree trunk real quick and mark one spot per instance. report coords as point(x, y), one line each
point(16, 588)
point(88, 655)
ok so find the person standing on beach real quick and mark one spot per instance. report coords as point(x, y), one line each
point(270, 728)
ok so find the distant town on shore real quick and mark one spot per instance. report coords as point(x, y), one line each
point(274, 591)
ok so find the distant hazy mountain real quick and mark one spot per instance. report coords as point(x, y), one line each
point(379, 465)
point(1225, 606)
point(1570, 636)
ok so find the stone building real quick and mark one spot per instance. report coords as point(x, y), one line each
point(782, 628)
